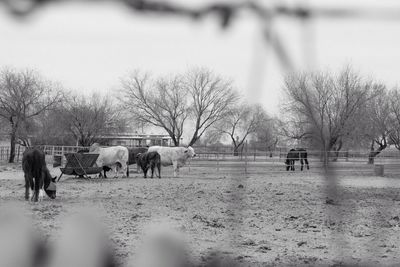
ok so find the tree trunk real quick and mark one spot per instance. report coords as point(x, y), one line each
point(193, 140)
point(236, 151)
point(13, 137)
point(175, 140)
point(336, 154)
point(373, 153)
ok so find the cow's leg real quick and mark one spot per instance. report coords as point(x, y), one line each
point(32, 191)
point(124, 168)
point(41, 194)
point(152, 169)
point(127, 170)
point(145, 171)
point(27, 186)
point(306, 161)
point(114, 168)
point(159, 169)
point(41, 185)
point(293, 162)
point(302, 164)
point(35, 197)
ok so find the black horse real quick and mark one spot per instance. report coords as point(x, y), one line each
point(296, 154)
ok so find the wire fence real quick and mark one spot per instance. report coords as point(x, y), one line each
point(254, 160)
point(224, 159)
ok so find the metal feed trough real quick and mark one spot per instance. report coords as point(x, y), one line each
point(80, 164)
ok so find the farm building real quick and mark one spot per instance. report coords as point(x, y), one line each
point(135, 139)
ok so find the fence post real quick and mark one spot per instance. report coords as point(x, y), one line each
point(217, 161)
point(62, 156)
point(245, 158)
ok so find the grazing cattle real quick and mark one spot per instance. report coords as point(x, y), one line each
point(133, 152)
point(176, 156)
point(149, 160)
point(296, 154)
point(114, 157)
point(37, 176)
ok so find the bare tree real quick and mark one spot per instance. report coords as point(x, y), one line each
point(377, 123)
point(168, 103)
point(88, 119)
point(23, 96)
point(161, 103)
point(327, 105)
point(267, 134)
point(239, 122)
point(394, 135)
point(211, 98)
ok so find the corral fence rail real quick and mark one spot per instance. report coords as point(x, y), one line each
point(249, 159)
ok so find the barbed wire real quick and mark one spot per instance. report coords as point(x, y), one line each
point(227, 13)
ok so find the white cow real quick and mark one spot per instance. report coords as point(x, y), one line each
point(176, 156)
point(111, 157)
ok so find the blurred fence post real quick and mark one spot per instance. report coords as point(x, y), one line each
point(245, 158)
point(217, 161)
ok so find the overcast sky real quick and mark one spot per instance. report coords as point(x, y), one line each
point(90, 46)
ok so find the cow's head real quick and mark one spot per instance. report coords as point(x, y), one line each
point(51, 188)
point(190, 152)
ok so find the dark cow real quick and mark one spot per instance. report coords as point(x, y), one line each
point(296, 154)
point(37, 176)
point(133, 152)
point(149, 160)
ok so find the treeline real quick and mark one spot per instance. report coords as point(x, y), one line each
point(323, 111)
point(198, 103)
point(329, 111)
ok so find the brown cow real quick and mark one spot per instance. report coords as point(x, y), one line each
point(37, 176)
point(149, 160)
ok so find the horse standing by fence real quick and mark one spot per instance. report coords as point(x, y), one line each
point(296, 154)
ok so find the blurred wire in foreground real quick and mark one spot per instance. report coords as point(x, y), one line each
point(227, 13)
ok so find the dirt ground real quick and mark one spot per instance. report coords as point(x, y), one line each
point(277, 218)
